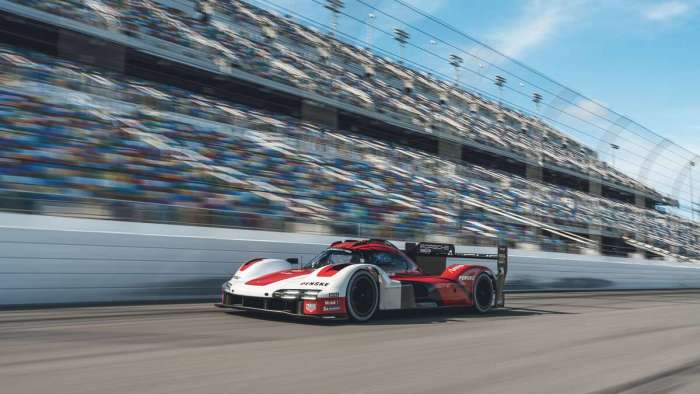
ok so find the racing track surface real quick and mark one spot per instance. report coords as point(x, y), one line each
point(545, 343)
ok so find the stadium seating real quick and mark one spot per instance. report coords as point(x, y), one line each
point(237, 34)
point(75, 133)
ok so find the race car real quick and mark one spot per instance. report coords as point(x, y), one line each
point(355, 279)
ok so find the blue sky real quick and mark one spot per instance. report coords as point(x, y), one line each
point(640, 58)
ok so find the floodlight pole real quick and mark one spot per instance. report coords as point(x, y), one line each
point(613, 148)
point(537, 99)
point(500, 81)
point(456, 62)
point(692, 189)
point(370, 29)
point(334, 6)
point(401, 36)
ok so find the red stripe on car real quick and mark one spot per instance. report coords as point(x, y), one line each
point(331, 270)
point(248, 264)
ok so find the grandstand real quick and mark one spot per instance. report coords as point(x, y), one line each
point(223, 114)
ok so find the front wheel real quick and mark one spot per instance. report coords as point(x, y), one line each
point(362, 296)
point(484, 293)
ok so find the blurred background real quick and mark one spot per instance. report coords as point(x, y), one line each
point(358, 123)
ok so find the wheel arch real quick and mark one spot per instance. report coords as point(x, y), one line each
point(475, 283)
point(373, 275)
point(340, 280)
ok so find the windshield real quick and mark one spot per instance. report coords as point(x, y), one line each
point(333, 256)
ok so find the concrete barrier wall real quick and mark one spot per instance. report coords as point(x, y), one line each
point(45, 260)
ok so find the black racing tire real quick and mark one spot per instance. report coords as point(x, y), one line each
point(362, 296)
point(484, 295)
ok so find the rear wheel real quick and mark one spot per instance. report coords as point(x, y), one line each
point(484, 293)
point(362, 296)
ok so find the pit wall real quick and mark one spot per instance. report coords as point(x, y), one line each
point(48, 260)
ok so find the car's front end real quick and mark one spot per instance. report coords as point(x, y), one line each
point(274, 286)
point(298, 302)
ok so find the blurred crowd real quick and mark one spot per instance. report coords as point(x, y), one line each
point(232, 34)
point(83, 134)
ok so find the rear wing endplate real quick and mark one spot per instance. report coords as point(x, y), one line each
point(430, 251)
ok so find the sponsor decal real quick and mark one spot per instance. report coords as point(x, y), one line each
point(310, 307)
point(435, 249)
point(466, 278)
point(314, 284)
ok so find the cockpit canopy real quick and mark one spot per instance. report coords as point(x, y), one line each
point(389, 259)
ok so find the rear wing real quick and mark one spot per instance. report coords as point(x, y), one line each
point(432, 258)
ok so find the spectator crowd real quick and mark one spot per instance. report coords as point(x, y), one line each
point(233, 34)
point(78, 134)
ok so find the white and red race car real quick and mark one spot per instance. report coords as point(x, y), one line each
point(355, 279)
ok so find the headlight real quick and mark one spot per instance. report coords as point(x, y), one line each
point(287, 294)
point(293, 294)
point(226, 286)
point(310, 294)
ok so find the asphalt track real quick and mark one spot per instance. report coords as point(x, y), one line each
point(544, 343)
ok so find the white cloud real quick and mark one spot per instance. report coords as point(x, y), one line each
point(666, 11)
point(538, 22)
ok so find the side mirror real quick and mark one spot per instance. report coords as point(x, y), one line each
point(293, 260)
